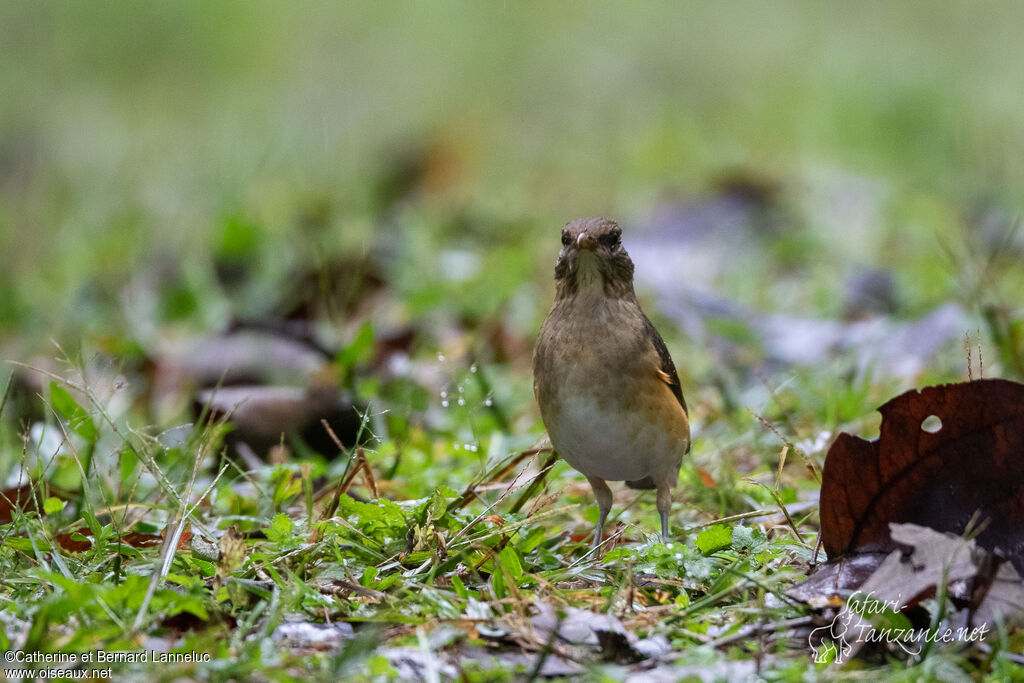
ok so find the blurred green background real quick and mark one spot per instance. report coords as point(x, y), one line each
point(821, 198)
point(145, 150)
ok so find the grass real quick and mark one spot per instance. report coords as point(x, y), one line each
point(165, 171)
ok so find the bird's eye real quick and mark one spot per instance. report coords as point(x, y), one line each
point(611, 240)
point(566, 239)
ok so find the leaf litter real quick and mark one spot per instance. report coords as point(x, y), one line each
point(487, 575)
point(931, 511)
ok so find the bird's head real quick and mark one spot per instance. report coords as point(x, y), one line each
point(593, 256)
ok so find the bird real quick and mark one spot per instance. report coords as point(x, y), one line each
point(607, 389)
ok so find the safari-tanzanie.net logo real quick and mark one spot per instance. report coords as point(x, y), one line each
point(856, 624)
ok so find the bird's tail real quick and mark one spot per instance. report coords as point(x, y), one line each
point(645, 483)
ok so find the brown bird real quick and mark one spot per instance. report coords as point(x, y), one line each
point(608, 391)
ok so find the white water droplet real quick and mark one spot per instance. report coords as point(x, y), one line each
point(472, 368)
point(488, 402)
point(440, 357)
point(444, 404)
point(462, 401)
point(444, 394)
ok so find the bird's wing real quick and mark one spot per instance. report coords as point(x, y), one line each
point(668, 368)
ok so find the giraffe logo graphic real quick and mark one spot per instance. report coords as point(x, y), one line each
point(829, 643)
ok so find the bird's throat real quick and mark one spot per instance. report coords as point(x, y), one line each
point(589, 278)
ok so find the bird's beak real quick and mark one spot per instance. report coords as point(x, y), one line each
point(585, 241)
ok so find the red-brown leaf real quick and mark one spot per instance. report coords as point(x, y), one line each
point(971, 468)
point(134, 539)
point(20, 497)
point(71, 545)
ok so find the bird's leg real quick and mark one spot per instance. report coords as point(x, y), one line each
point(664, 505)
point(603, 494)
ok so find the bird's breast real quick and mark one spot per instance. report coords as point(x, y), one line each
point(606, 410)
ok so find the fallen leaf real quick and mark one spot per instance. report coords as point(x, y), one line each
point(612, 639)
point(20, 497)
point(1004, 598)
point(306, 637)
point(413, 663)
point(967, 474)
point(894, 348)
point(262, 414)
point(551, 665)
point(908, 578)
point(243, 357)
point(988, 591)
point(141, 540)
point(232, 549)
point(706, 478)
point(895, 512)
point(829, 584)
point(134, 539)
point(73, 545)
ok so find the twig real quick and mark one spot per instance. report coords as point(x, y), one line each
point(334, 437)
point(7, 392)
point(341, 489)
point(807, 461)
point(368, 478)
point(759, 629)
point(170, 543)
point(537, 481)
point(981, 361)
point(470, 491)
point(732, 518)
point(967, 347)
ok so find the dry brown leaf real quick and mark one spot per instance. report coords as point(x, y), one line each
point(967, 473)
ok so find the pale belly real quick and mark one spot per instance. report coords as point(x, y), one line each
point(616, 444)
